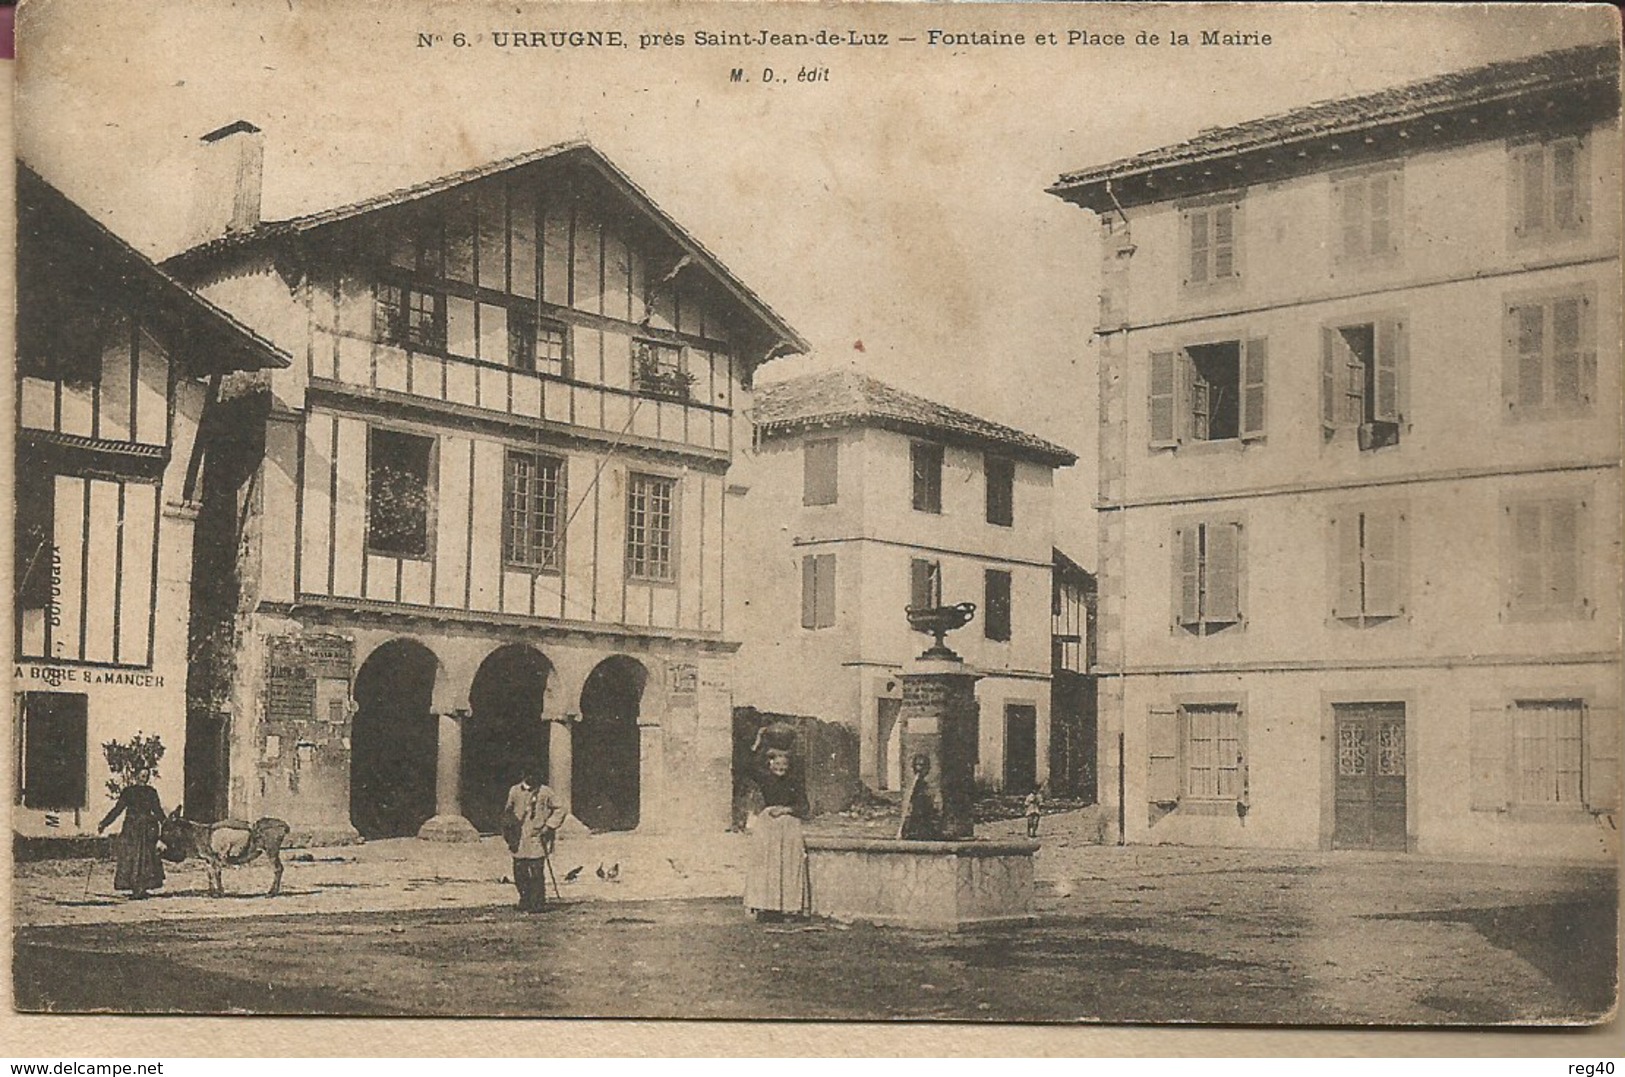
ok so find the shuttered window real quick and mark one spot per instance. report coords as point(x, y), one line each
point(1369, 554)
point(1367, 215)
point(1212, 246)
point(1363, 366)
point(1546, 570)
point(996, 604)
point(925, 462)
point(1549, 351)
point(1209, 392)
point(1208, 574)
point(1545, 753)
point(1549, 190)
point(924, 583)
point(820, 467)
point(1195, 751)
point(1000, 473)
point(818, 590)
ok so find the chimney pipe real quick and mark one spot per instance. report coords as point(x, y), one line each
point(232, 175)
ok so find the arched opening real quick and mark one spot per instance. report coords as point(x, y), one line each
point(604, 786)
point(504, 730)
point(393, 741)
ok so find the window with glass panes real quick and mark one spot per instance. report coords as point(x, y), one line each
point(536, 345)
point(650, 506)
point(533, 499)
point(410, 317)
point(1549, 742)
point(1213, 751)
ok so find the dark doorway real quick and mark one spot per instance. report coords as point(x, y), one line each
point(208, 765)
point(393, 741)
point(605, 780)
point(504, 732)
point(1020, 748)
point(1370, 765)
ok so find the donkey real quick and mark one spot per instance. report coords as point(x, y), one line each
point(230, 841)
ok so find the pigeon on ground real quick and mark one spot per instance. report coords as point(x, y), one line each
point(570, 876)
point(614, 872)
point(601, 872)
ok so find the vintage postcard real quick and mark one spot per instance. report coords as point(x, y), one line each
point(1011, 513)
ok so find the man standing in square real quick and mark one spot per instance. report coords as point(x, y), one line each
point(529, 822)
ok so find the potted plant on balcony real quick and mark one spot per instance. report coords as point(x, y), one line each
point(659, 377)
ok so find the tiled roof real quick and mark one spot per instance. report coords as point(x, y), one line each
point(1489, 83)
point(585, 151)
point(57, 237)
point(852, 398)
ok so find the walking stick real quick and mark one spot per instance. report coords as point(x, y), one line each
point(88, 873)
point(547, 865)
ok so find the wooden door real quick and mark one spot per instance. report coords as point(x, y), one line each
point(1020, 748)
point(1369, 812)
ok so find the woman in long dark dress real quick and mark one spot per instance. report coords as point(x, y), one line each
point(136, 846)
point(776, 867)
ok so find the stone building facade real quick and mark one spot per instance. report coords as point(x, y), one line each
point(864, 500)
point(1359, 470)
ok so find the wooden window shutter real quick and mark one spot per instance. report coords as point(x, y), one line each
point(1222, 582)
point(824, 591)
point(1353, 218)
point(1187, 568)
point(1529, 552)
point(1602, 758)
point(1588, 350)
point(1196, 223)
point(1346, 564)
point(1582, 184)
point(1488, 756)
point(1329, 369)
point(809, 591)
point(1162, 755)
point(1224, 242)
point(820, 464)
point(1164, 398)
point(1527, 190)
point(1382, 564)
point(1567, 176)
point(1387, 213)
point(1390, 347)
point(1255, 363)
point(1510, 325)
point(1560, 551)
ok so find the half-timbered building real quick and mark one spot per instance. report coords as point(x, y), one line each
point(117, 368)
point(482, 519)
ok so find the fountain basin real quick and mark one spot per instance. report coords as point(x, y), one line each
point(943, 885)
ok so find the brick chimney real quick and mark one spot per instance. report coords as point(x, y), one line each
point(230, 172)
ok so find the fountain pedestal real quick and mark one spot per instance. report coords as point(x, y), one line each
point(934, 874)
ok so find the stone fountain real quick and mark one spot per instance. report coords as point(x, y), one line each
point(935, 873)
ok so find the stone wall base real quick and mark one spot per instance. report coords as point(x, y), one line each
point(944, 885)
